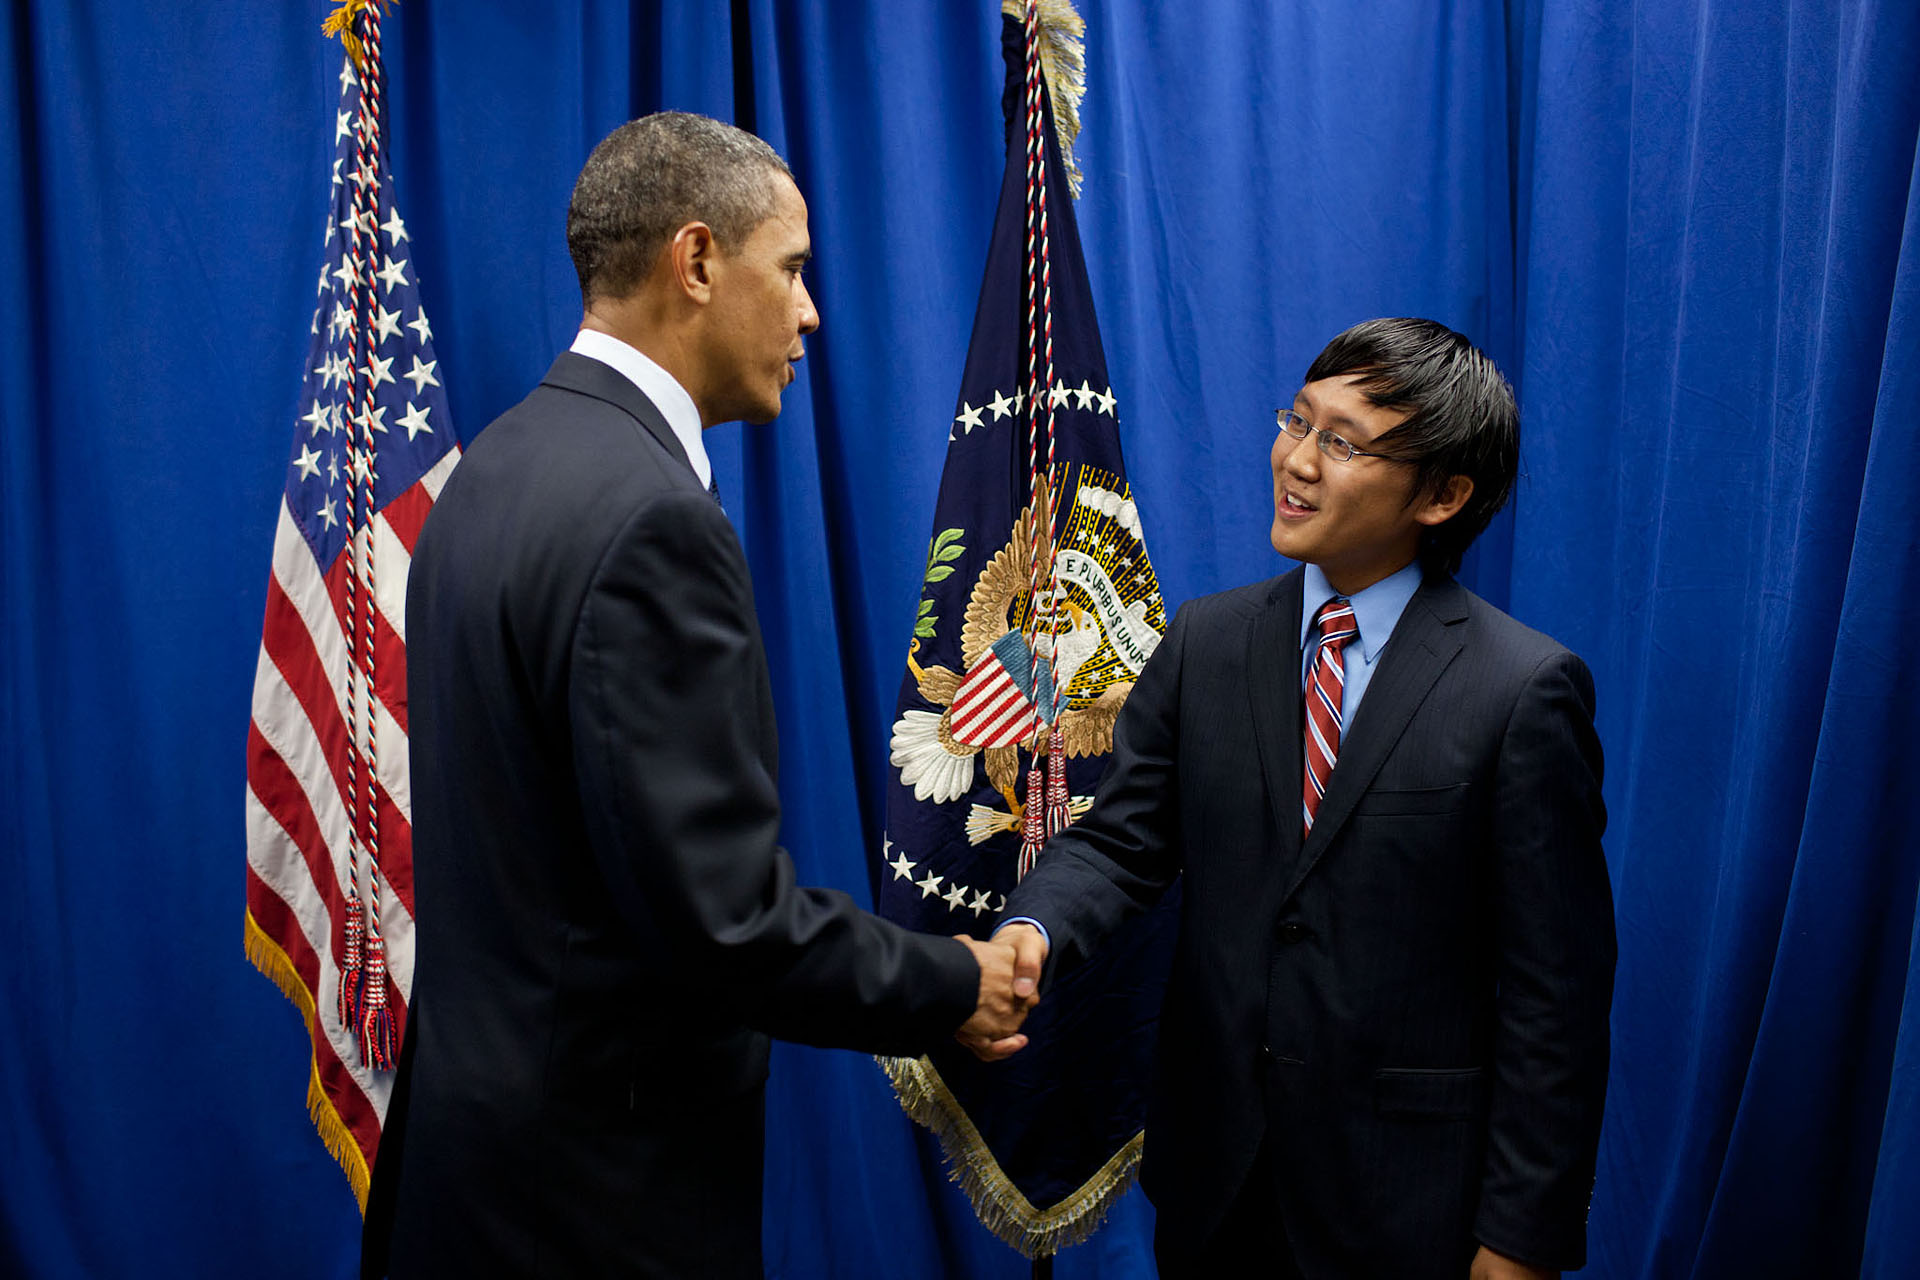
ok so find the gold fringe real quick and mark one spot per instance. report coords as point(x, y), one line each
point(270, 960)
point(1063, 61)
point(999, 1205)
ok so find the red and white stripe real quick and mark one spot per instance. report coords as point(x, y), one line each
point(299, 850)
point(989, 710)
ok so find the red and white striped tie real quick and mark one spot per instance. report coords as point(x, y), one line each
point(1326, 690)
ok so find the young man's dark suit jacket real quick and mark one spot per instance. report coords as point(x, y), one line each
point(1412, 1008)
point(606, 928)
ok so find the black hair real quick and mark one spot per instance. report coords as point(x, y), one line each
point(654, 175)
point(1462, 420)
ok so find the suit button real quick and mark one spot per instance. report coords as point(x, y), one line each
point(1293, 933)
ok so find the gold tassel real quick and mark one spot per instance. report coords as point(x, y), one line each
point(1063, 61)
point(1000, 1206)
point(340, 23)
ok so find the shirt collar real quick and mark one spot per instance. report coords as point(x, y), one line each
point(657, 385)
point(1376, 610)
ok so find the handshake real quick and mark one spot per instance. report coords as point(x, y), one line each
point(1010, 964)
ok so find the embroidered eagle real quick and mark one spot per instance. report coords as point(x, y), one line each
point(1004, 696)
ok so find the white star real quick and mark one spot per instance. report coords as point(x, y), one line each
point(315, 417)
point(979, 903)
point(323, 279)
point(347, 78)
point(956, 897)
point(355, 220)
point(415, 420)
point(902, 866)
point(335, 419)
point(421, 375)
point(337, 325)
point(379, 370)
point(362, 175)
point(360, 465)
point(1000, 405)
point(342, 124)
point(379, 419)
point(336, 173)
point(1084, 394)
point(969, 417)
point(327, 240)
point(315, 326)
point(396, 230)
point(333, 467)
point(393, 273)
point(386, 324)
point(1105, 401)
point(1019, 398)
point(1059, 394)
point(346, 274)
point(326, 514)
point(929, 885)
point(419, 324)
point(308, 462)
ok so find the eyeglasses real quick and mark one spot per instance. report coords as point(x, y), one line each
point(1339, 448)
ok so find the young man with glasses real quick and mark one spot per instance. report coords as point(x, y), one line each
point(1384, 1044)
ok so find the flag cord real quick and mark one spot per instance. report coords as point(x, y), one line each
point(353, 927)
point(364, 1007)
point(1047, 802)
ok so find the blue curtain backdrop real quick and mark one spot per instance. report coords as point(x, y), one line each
point(1690, 232)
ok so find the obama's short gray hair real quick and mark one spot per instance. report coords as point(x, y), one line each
point(654, 175)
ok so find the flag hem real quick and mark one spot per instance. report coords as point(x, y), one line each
point(1001, 1207)
point(273, 962)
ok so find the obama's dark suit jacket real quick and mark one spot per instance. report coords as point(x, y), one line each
point(607, 932)
point(1410, 1008)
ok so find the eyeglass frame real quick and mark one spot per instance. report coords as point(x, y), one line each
point(1280, 417)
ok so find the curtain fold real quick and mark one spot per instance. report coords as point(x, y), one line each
point(1714, 315)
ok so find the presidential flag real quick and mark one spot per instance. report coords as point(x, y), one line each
point(329, 913)
point(1038, 611)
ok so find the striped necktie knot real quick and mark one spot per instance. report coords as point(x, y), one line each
point(1336, 622)
point(1325, 697)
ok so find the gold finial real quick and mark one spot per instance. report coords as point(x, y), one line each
point(340, 23)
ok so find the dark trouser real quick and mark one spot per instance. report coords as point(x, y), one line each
point(1251, 1240)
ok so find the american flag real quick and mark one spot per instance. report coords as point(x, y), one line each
point(328, 804)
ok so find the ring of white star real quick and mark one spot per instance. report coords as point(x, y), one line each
point(1004, 406)
point(958, 897)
